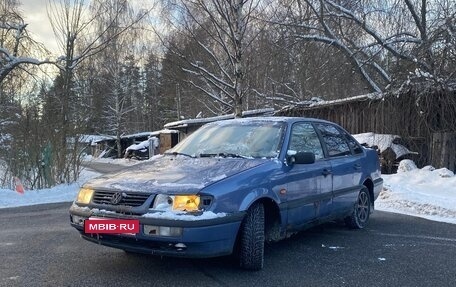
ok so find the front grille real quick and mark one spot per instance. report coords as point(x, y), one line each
point(128, 198)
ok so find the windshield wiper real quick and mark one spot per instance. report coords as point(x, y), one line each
point(207, 154)
point(221, 154)
point(179, 153)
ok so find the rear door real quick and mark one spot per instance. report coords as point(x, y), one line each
point(345, 166)
point(308, 184)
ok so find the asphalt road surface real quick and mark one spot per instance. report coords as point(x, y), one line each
point(39, 248)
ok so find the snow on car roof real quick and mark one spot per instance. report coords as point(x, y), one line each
point(268, 119)
point(185, 123)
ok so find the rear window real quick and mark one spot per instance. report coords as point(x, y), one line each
point(334, 140)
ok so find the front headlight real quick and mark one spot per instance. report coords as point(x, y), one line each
point(186, 202)
point(177, 202)
point(85, 195)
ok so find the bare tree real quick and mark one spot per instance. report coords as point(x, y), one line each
point(119, 98)
point(119, 69)
point(379, 36)
point(219, 31)
point(19, 54)
point(16, 46)
point(80, 38)
point(11, 59)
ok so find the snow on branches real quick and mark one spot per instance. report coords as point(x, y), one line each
point(10, 57)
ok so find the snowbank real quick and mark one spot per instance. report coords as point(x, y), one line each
point(60, 193)
point(428, 193)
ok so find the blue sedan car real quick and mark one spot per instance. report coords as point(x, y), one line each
point(233, 185)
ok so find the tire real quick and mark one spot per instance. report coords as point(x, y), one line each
point(251, 246)
point(361, 211)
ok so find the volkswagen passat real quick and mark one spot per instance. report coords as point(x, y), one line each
point(231, 186)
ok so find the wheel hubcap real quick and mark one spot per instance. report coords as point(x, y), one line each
point(363, 207)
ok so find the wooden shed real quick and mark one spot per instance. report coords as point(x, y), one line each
point(425, 120)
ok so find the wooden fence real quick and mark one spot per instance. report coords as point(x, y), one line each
point(426, 121)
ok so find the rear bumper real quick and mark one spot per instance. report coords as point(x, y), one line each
point(199, 238)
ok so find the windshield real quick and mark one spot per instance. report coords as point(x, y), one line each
point(249, 139)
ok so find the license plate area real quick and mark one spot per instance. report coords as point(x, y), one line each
point(97, 225)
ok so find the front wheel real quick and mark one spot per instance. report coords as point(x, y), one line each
point(251, 251)
point(360, 215)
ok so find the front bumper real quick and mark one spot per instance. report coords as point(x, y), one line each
point(199, 238)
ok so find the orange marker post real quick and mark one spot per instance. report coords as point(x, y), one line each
point(18, 184)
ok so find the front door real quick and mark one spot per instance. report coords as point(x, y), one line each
point(309, 185)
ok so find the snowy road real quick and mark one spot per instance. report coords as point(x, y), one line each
point(39, 248)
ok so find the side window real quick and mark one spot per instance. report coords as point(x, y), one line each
point(356, 148)
point(305, 139)
point(335, 141)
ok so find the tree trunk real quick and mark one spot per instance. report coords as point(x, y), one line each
point(442, 150)
point(238, 65)
point(119, 145)
point(238, 108)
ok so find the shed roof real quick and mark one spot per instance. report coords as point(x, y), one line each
point(318, 103)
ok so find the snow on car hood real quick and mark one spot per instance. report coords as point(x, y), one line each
point(174, 174)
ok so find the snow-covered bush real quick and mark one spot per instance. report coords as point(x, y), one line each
point(428, 167)
point(406, 165)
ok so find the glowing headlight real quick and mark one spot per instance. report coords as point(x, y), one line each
point(177, 202)
point(85, 195)
point(186, 202)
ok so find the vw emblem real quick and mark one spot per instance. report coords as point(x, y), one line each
point(116, 198)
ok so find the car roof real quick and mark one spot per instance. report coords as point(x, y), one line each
point(289, 120)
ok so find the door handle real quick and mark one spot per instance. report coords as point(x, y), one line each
point(357, 166)
point(326, 172)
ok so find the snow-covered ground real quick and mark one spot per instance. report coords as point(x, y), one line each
point(59, 193)
point(429, 193)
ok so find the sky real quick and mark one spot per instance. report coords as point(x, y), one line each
point(35, 15)
point(34, 12)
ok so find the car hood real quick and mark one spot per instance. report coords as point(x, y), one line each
point(174, 174)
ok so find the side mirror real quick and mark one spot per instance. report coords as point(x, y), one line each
point(300, 158)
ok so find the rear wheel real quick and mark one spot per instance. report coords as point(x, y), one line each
point(360, 216)
point(251, 249)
